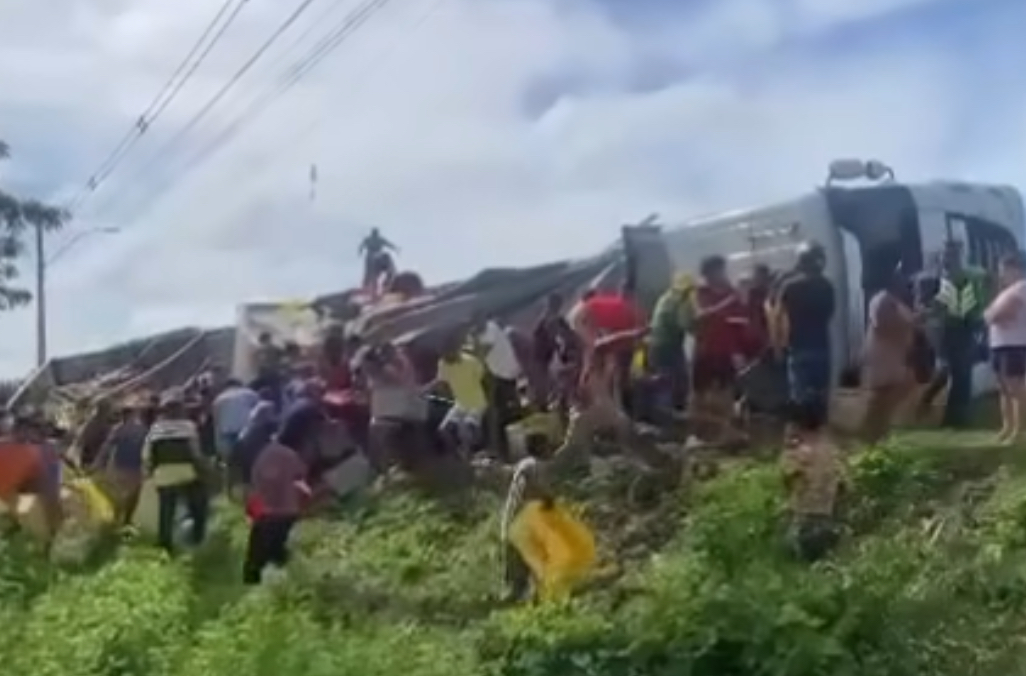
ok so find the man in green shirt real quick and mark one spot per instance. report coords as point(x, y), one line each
point(671, 320)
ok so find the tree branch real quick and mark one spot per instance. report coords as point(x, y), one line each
point(16, 216)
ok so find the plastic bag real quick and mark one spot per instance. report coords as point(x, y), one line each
point(559, 549)
point(101, 510)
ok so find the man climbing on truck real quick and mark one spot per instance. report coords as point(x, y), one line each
point(377, 260)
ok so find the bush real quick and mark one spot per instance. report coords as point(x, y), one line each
point(932, 580)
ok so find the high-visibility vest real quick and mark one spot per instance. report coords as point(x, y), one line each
point(960, 303)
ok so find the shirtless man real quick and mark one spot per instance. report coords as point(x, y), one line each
point(598, 410)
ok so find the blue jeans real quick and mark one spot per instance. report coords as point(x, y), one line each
point(194, 497)
point(670, 364)
point(226, 443)
point(808, 374)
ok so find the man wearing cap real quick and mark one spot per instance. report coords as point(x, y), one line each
point(672, 318)
point(172, 459)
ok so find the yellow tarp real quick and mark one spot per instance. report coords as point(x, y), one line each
point(559, 549)
point(86, 508)
point(101, 510)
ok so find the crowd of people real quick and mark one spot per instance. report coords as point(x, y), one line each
point(599, 365)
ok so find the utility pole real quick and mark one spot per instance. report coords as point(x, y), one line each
point(42, 265)
point(40, 296)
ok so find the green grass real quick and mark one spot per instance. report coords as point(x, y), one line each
point(930, 579)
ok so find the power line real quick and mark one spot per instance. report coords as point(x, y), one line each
point(432, 7)
point(288, 79)
point(196, 65)
point(230, 84)
point(291, 78)
point(430, 10)
point(316, 23)
point(168, 92)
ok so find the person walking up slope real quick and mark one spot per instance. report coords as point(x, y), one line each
point(274, 506)
point(813, 475)
point(172, 459)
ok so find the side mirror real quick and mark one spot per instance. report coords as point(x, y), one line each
point(877, 170)
point(846, 170)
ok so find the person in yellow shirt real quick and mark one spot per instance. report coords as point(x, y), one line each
point(463, 374)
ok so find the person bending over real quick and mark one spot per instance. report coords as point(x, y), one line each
point(529, 483)
point(463, 374)
point(598, 410)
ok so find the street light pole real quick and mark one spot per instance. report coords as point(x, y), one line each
point(42, 265)
point(40, 297)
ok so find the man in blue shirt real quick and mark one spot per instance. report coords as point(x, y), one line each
point(231, 411)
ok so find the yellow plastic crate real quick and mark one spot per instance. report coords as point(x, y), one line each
point(559, 549)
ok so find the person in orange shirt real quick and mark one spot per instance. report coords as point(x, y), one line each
point(24, 470)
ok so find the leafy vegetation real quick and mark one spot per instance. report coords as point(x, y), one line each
point(17, 218)
point(931, 579)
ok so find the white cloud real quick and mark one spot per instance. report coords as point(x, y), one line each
point(491, 132)
point(813, 14)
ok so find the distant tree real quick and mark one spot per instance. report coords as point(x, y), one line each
point(19, 218)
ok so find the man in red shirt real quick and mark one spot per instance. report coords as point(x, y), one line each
point(596, 410)
point(721, 327)
point(605, 314)
point(721, 336)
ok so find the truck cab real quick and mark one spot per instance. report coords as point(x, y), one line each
point(867, 230)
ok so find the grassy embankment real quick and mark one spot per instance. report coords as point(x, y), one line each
point(931, 580)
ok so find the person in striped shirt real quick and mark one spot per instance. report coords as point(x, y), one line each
point(529, 483)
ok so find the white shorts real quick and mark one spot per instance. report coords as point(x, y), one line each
point(462, 419)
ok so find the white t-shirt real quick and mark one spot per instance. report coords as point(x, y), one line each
point(500, 357)
point(575, 317)
point(1011, 332)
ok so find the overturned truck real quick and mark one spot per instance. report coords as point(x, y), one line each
point(866, 231)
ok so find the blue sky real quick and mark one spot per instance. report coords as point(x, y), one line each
point(473, 132)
